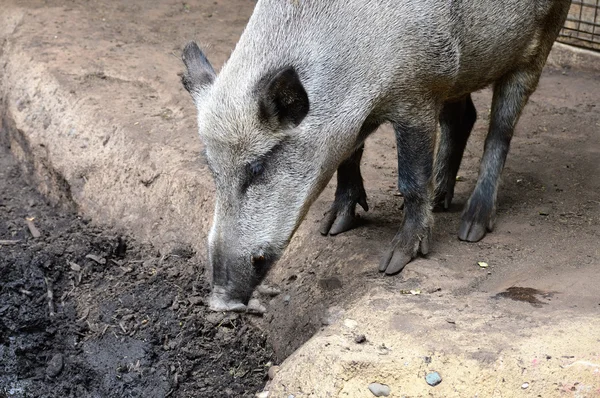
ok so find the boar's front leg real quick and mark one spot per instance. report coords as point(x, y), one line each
point(415, 146)
point(349, 192)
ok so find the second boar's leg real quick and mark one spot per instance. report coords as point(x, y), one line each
point(349, 192)
point(456, 122)
point(415, 145)
point(510, 96)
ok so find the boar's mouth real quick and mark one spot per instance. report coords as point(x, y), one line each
point(220, 301)
point(233, 292)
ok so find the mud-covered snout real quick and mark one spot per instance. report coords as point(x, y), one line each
point(236, 275)
point(264, 168)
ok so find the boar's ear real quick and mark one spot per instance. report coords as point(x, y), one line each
point(282, 98)
point(199, 74)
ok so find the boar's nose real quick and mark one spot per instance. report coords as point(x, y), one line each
point(221, 301)
point(235, 276)
point(234, 279)
point(259, 262)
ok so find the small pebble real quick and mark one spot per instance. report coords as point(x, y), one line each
point(350, 323)
point(75, 267)
point(55, 365)
point(525, 386)
point(379, 390)
point(264, 394)
point(433, 379)
point(268, 290)
point(361, 338)
point(255, 307)
point(273, 371)
point(383, 350)
point(287, 298)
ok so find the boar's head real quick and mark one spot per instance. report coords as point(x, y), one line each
point(267, 167)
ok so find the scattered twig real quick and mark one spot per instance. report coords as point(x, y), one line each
point(9, 242)
point(32, 228)
point(67, 294)
point(50, 295)
point(104, 330)
point(83, 317)
point(97, 259)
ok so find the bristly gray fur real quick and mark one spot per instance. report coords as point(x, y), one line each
point(361, 63)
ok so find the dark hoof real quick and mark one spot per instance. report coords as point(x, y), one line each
point(335, 223)
point(477, 220)
point(471, 232)
point(393, 262)
point(443, 201)
point(441, 206)
point(341, 218)
point(402, 252)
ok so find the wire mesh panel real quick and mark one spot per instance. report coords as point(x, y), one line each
point(582, 27)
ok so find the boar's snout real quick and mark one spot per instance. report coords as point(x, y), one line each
point(236, 276)
point(220, 300)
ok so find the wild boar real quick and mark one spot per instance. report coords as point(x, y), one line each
point(309, 81)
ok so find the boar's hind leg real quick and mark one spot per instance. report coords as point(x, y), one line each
point(350, 191)
point(415, 147)
point(456, 122)
point(510, 95)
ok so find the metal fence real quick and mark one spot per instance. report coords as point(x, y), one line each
point(582, 27)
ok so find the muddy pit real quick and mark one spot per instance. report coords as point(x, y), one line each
point(85, 312)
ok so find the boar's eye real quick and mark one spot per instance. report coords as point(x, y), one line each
point(256, 168)
point(253, 170)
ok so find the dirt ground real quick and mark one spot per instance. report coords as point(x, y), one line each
point(547, 234)
point(87, 313)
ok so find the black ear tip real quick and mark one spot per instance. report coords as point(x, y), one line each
point(199, 72)
point(194, 58)
point(191, 51)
